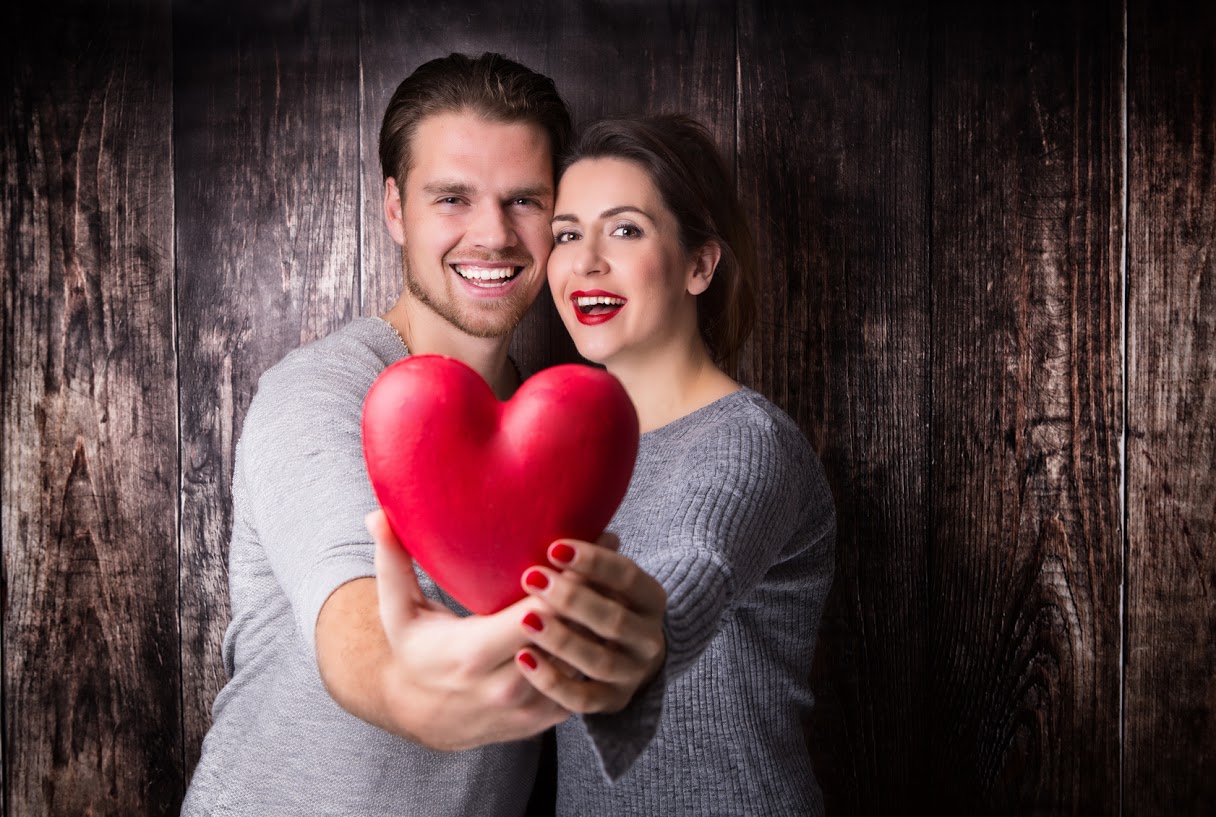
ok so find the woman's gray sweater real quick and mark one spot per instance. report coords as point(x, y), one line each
point(730, 511)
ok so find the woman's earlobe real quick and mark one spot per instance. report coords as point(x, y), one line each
point(705, 261)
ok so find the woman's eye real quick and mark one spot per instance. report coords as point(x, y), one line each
point(627, 231)
point(565, 236)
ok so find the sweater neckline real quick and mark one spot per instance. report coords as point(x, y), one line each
point(698, 415)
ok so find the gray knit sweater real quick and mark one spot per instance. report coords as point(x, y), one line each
point(279, 745)
point(730, 511)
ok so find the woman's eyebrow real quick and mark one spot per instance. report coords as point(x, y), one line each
point(625, 208)
point(609, 213)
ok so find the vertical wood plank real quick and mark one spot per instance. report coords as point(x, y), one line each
point(266, 143)
point(605, 57)
point(833, 143)
point(90, 633)
point(1170, 692)
point(1027, 305)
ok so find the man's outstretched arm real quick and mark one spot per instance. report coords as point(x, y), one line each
point(393, 658)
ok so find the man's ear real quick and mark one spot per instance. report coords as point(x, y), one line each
point(704, 262)
point(392, 211)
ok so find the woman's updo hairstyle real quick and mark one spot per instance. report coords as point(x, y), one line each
point(680, 157)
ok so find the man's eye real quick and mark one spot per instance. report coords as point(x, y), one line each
point(450, 200)
point(524, 202)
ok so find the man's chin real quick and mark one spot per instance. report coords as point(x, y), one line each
point(499, 328)
point(487, 323)
point(484, 320)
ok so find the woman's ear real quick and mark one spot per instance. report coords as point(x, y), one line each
point(392, 211)
point(704, 262)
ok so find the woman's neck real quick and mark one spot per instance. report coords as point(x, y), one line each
point(671, 383)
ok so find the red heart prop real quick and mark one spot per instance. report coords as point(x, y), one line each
point(477, 489)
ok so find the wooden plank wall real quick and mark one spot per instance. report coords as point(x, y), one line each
point(988, 299)
point(91, 660)
point(1170, 690)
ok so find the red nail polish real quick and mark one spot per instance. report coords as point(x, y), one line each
point(527, 659)
point(561, 552)
point(536, 579)
point(532, 622)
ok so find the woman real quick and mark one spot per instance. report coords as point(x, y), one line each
point(653, 274)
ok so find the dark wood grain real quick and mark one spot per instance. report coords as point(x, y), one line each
point(937, 196)
point(1025, 564)
point(605, 57)
point(267, 152)
point(833, 142)
point(1170, 692)
point(91, 673)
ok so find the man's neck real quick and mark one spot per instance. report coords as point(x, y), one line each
point(425, 333)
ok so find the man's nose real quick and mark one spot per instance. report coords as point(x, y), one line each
point(492, 227)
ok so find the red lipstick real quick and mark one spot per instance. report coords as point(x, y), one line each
point(597, 313)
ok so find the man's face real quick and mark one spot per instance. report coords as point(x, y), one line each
point(474, 220)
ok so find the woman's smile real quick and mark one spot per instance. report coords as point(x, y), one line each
point(596, 306)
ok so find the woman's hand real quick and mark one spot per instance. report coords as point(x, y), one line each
point(600, 631)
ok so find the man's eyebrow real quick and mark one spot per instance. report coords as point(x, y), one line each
point(537, 192)
point(609, 213)
point(448, 187)
point(456, 187)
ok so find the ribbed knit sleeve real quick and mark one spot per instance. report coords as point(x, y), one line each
point(738, 513)
point(300, 463)
point(732, 504)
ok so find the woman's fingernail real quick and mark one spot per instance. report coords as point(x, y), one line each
point(561, 553)
point(527, 659)
point(532, 622)
point(535, 578)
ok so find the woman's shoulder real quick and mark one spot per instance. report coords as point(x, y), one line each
point(746, 420)
point(741, 432)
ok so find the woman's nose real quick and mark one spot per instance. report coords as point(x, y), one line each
point(587, 259)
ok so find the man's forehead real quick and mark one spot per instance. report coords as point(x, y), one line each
point(463, 149)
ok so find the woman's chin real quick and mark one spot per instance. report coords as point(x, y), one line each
point(593, 352)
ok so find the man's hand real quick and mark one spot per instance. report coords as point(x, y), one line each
point(391, 657)
point(600, 632)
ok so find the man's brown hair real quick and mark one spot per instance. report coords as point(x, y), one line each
point(490, 85)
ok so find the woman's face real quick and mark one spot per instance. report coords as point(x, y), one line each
point(621, 280)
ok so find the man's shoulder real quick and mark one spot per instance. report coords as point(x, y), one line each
point(351, 357)
point(321, 380)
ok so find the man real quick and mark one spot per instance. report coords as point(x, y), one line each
point(357, 691)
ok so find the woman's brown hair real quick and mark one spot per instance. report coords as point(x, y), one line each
point(680, 157)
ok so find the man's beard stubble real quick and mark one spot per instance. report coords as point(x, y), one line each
point(505, 313)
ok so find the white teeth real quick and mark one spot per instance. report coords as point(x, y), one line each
point(485, 273)
point(598, 300)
